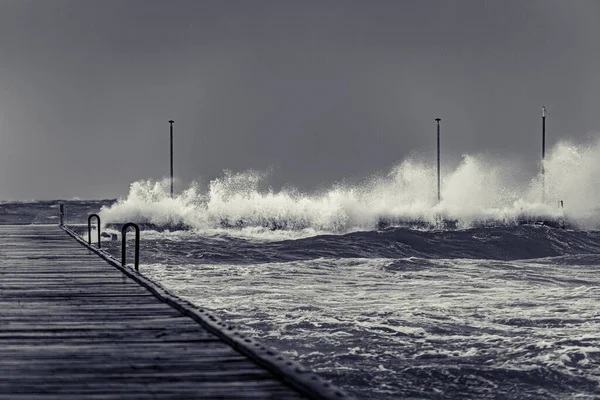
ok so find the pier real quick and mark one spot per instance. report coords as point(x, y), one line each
point(74, 325)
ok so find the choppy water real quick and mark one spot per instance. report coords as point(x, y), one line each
point(411, 327)
point(501, 312)
point(409, 314)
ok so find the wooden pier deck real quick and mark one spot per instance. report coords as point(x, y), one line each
point(72, 326)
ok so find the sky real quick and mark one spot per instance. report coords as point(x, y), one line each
point(314, 91)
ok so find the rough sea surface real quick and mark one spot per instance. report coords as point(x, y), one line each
point(501, 312)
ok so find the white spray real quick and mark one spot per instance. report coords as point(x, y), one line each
point(475, 191)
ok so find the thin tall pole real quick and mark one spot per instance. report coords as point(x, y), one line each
point(438, 160)
point(171, 123)
point(543, 154)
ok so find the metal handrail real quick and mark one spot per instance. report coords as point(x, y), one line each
point(124, 244)
point(90, 230)
point(62, 213)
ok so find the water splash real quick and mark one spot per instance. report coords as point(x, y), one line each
point(476, 191)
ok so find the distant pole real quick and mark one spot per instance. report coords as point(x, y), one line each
point(543, 153)
point(438, 159)
point(171, 123)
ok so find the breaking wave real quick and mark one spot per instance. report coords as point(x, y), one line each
point(476, 193)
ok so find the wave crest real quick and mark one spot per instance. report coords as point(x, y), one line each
point(476, 192)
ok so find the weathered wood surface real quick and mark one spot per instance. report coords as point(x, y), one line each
point(74, 327)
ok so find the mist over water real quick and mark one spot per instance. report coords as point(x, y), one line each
point(478, 191)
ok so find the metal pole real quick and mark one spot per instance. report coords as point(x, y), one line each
point(171, 124)
point(62, 213)
point(543, 153)
point(438, 160)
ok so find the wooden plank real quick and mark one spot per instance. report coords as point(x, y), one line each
point(79, 336)
point(70, 325)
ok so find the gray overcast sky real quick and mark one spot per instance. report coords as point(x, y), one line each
point(318, 90)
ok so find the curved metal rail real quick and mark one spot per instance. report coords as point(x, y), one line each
point(124, 244)
point(90, 230)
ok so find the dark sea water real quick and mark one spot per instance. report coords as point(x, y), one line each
point(501, 312)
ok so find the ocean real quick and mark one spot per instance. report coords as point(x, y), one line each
point(376, 286)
